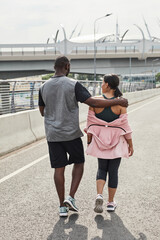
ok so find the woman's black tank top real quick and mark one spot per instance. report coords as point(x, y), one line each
point(107, 114)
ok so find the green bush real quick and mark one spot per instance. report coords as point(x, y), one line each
point(79, 76)
point(46, 77)
point(158, 77)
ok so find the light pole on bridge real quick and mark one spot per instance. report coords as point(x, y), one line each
point(107, 15)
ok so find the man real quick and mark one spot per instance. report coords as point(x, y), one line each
point(58, 103)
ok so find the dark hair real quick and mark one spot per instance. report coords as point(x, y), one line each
point(61, 62)
point(113, 82)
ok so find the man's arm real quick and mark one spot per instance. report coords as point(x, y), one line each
point(41, 104)
point(102, 103)
point(83, 96)
point(41, 109)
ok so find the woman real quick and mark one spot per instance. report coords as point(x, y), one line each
point(109, 139)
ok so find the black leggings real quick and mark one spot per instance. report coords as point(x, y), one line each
point(111, 166)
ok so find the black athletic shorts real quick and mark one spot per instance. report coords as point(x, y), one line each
point(65, 153)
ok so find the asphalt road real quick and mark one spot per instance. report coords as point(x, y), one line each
point(29, 203)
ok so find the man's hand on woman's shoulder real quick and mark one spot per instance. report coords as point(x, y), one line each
point(123, 101)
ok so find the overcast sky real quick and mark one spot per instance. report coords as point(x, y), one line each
point(34, 21)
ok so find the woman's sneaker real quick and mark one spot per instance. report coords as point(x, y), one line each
point(111, 206)
point(70, 202)
point(63, 211)
point(98, 204)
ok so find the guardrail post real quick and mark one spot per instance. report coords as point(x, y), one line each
point(12, 99)
point(4, 97)
point(86, 49)
point(99, 88)
point(134, 49)
point(152, 48)
point(32, 95)
point(94, 89)
point(121, 86)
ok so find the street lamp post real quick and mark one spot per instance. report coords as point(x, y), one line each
point(130, 66)
point(95, 42)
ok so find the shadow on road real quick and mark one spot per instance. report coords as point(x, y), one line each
point(67, 229)
point(114, 229)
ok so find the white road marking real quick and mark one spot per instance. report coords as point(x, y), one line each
point(23, 168)
point(45, 156)
point(143, 105)
point(21, 151)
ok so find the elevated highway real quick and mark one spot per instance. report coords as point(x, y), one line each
point(118, 57)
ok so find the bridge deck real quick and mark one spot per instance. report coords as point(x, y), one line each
point(29, 202)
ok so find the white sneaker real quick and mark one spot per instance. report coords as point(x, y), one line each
point(63, 211)
point(111, 206)
point(98, 204)
point(70, 203)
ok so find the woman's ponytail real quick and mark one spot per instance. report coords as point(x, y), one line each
point(117, 92)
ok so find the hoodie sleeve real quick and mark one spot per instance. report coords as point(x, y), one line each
point(128, 135)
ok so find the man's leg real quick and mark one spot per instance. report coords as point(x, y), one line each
point(59, 180)
point(58, 159)
point(76, 157)
point(77, 174)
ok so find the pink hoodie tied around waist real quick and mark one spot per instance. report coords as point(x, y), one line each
point(108, 142)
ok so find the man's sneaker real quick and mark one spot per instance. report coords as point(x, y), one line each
point(70, 202)
point(63, 211)
point(98, 204)
point(111, 206)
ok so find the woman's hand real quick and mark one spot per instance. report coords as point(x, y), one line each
point(130, 150)
point(130, 147)
point(89, 138)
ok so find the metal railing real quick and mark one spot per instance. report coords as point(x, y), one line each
point(18, 96)
point(75, 51)
point(76, 48)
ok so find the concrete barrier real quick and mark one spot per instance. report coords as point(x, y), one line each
point(137, 96)
point(20, 129)
point(37, 124)
point(15, 131)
